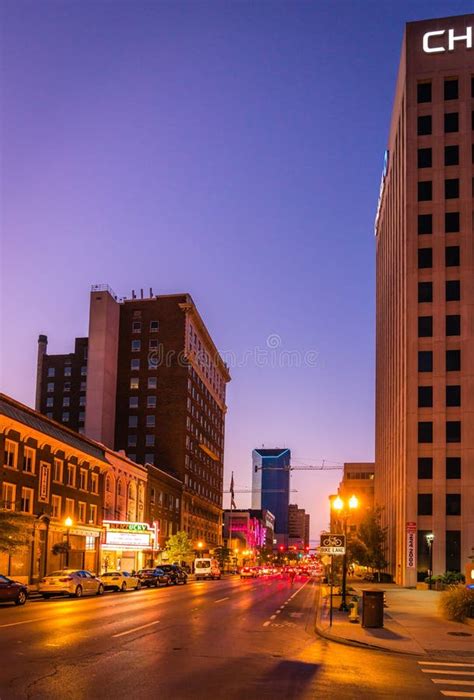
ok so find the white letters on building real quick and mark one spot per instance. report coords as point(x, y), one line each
point(429, 45)
point(467, 37)
point(426, 42)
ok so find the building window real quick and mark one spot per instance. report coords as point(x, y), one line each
point(50, 387)
point(425, 504)
point(453, 324)
point(151, 402)
point(83, 386)
point(453, 395)
point(453, 290)
point(134, 383)
point(136, 326)
point(451, 122)
point(67, 386)
point(69, 509)
point(66, 401)
point(29, 455)
point(132, 421)
point(135, 364)
point(453, 360)
point(83, 479)
point(132, 441)
point(425, 159)
point(453, 504)
point(425, 467)
point(11, 454)
point(58, 470)
point(150, 458)
point(65, 417)
point(56, 506)
point(153, 344)
point(425, 292)
point(452, 256)
point(154, 325)
point(51, 371)
point(82, 400)
point(423, 92)
point(425, 326)
point(451, 222)
point(67, 371)
point(93, 515)
point(71, 475)
point(133, 402)
point(8, 496)
point(451, 89)
point(425, 191)
point(94, 483)
point(150, 441)
point(132, 456)
point(425, 258)
point(451, 188)
point(425, 431)
point(81, 511)
point(152, 496)
point(451, 155)
point(152, 383)
point(136, 345)
point(424, 125)
point(49, 402)
point(425, 223)
point(425, 396)
point(150, 421)
point(425, 361)
point(83, 371)
point(453, 467)
point(453, 550)
point(26, 503)
point(453, 431)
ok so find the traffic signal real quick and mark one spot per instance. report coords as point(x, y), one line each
point(281, 548)
point(307, 548)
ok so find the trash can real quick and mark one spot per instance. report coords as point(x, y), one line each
point(372, 608)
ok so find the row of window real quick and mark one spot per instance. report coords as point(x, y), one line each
point(450, 90)
point(149, 440)
point(66, 402)
point(136, 345)
point(452, 223)
point(50, 387)
point(451, 189)
point(452, 397)
point(453, 504)
point(150, 421)
point(453, 431)
point(452, 257)
point(67, 371)
point(26, 504)
point(451, 123)
point(452, 325)
point(453, 467)
point(65, 417)
point(452, 361)
point(150, 402)
point(153, 326)
point(451, 156)
point(452, 291)
point(135, 383)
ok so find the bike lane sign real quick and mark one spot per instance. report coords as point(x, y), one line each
point(332, 544)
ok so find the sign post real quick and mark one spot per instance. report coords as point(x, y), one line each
point(334, 545)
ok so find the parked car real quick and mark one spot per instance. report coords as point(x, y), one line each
point(12, 591)
point(72, 582)
point(206, 568)
point(248, 572)
point(153, 577)
point(175, 573)
point(120, 581)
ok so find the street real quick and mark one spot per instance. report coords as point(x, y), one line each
point(223, 639)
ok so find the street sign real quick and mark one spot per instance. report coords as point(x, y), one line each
point(411, 545)
point(333, 544)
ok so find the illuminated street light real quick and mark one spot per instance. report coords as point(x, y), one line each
point(68, 523)
point(344, 509)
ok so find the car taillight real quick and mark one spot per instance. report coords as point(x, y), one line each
point(67, 578)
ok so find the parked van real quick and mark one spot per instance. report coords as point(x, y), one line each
point(206, 568)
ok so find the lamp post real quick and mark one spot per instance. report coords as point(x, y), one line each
point(68, 524)
point(344, 510)
point(429, 539)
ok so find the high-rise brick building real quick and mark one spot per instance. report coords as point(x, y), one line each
point(425, 305)
point(155, 388)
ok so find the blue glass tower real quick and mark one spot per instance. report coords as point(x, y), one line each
point(271, 484)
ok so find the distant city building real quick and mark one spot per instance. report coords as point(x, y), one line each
point(148, 380)
point(298, 527)
point(244, 530)
point(271, 486)
point(358, 480)
point(425, 301)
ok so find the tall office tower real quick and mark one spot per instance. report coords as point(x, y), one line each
point(156, 389)
point(425, 305)
point(298, 527)
point(271, 486)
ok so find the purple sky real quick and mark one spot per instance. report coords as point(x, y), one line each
point(232, 150)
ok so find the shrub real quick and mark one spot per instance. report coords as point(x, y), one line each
point(457, 603)
point(453, 577)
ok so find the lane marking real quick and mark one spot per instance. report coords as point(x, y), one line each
point(443, 663)
point(23, 622)
point(456, 694)
point(221, 600)
point(265, 624)
point(445, 681)
point(452, 673)
point(272, 617)
point(278, 612)
point(135, 629)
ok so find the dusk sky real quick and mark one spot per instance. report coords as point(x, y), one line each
point(232, 150)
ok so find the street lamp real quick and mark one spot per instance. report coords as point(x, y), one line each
point(429, 539)
point(68, 524)
point(344, 511)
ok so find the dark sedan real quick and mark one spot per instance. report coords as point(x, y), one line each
point(12, 591)
point(153, 577)
point(175, 573)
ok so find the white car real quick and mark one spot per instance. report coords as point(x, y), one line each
point(120, 581)
point(72, 582)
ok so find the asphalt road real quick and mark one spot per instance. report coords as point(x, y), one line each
point(250, 639)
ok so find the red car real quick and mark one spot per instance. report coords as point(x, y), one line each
point(12, 591)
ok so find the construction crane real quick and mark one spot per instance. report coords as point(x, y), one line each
point(307, 467)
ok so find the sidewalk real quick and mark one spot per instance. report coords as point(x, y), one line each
point(412, 624)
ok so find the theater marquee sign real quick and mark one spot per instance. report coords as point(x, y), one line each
point(127, 536)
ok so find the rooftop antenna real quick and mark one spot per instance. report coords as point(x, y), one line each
point(141, 293)
point(134, 296)
point(151, 293)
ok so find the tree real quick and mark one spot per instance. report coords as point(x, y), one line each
point(223, 556)
point(179, 546)
point(373, 536)
point(15, 531)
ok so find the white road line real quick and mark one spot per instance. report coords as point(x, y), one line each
point(445, 681)
point(456, 694)
point(272, 617)
point(278, 612)
point(135, 629)
point(443, 663)
point(221, 600)
point(265, 624)
point(448, 670)
point(23, 622)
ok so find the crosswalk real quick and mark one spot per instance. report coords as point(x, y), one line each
point(455, 679)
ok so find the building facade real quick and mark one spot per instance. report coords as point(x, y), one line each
point(425, 305)
point(358, 480)
point(271, 486)
point(298, 527)
point(156, 389)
